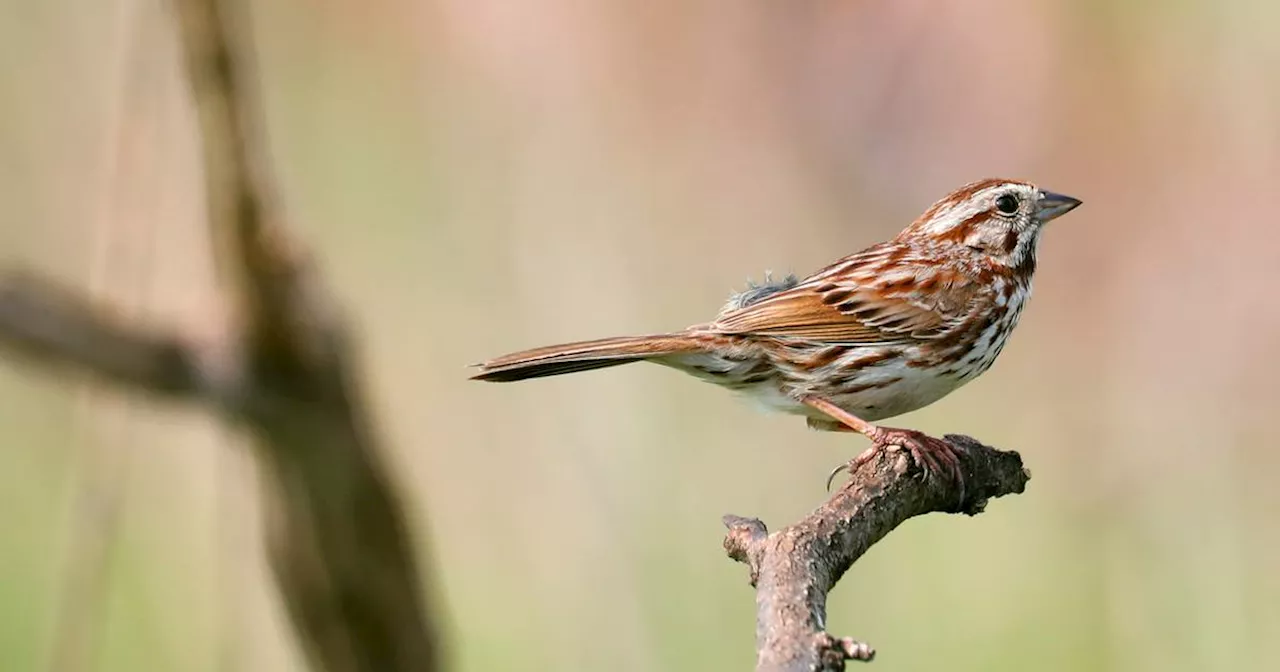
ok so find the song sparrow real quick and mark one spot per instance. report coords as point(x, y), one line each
point(879, 333)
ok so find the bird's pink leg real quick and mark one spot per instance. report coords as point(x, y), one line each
point(929, 452)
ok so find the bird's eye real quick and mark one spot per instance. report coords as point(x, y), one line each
point(1007, 204)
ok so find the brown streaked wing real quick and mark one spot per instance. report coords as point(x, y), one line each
point(887, 300)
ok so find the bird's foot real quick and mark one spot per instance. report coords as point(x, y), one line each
point(930, 453)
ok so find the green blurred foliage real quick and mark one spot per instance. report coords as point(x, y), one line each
point(478, 177)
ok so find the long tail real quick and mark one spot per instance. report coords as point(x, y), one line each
point(554, 360)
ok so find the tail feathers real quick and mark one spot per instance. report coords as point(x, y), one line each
point(554, 360)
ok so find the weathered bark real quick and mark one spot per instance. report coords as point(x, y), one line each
point(795, 568)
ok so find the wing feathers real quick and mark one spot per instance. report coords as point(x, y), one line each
point(889, 294)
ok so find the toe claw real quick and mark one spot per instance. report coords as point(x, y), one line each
point(853, 465)
point(834, 472)
point(928, 463)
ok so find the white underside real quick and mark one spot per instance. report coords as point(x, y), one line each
point(911, 388)
point(905, 388)
point(915, 389)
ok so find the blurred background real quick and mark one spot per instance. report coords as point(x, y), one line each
point(479, 177)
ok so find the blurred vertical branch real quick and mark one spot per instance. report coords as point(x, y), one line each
point(282, 367)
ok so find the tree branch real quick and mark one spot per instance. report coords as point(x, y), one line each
point(275, 289)
point(795, 568)
point(339, 541)
point(57, 326)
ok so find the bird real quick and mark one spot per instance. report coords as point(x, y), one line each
point(884, 331)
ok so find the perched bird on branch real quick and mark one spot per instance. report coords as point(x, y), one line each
point(879, 333)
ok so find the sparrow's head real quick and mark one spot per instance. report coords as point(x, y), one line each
point(1001, 219)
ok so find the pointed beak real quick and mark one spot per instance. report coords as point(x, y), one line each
point(1054, 205)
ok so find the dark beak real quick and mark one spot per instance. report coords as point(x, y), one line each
point(1054, 205)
